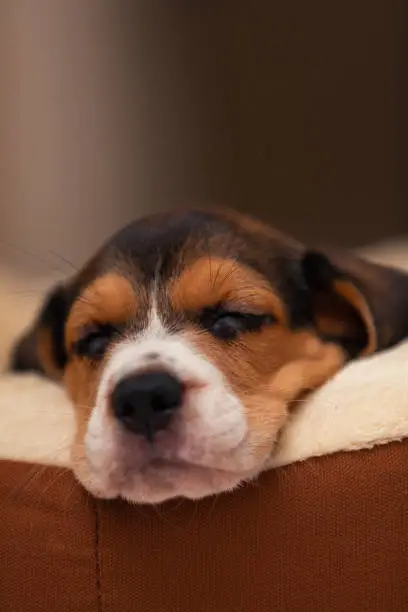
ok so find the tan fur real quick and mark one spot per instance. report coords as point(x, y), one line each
point(344, 312)
point(45, 353)
point(357, 300)
point(81, 381)
point(211, 281)
point(109, 299)
point(270, 369)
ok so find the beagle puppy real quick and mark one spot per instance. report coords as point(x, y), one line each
point(186, 339)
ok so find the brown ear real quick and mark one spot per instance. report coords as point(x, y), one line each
point(42, 348)
point(358, 304)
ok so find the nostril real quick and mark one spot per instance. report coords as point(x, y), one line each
point(125, 409)
point(167, 395)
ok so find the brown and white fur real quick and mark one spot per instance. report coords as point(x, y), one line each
point(244, 319)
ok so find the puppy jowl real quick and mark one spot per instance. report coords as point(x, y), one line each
point(186, 340)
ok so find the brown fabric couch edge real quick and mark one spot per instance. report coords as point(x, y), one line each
point(328, 534)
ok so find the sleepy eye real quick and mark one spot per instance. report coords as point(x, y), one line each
point(228, 325)
point(95, 340)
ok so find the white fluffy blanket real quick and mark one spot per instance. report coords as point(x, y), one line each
point(364, 405)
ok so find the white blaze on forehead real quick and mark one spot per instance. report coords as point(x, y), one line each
point(155, 327)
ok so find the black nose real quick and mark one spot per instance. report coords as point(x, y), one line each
point(145, 403)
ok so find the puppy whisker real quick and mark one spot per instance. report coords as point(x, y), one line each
point(33, 255)
point(63, 259)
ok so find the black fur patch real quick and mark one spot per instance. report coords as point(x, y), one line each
point(52, 317)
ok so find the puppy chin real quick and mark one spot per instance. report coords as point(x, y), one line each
point(158, 481)
point(161, 481)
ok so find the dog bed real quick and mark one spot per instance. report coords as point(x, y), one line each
point(327, 529)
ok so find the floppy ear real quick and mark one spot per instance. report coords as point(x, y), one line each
point(360, 305)
point(42, 348)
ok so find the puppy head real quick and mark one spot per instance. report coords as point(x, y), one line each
point(186, 338)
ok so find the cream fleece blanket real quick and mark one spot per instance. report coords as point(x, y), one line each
point(364, 405)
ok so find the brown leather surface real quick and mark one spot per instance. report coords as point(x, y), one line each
point(330, 534)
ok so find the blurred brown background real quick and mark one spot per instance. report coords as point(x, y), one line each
point(292, 110)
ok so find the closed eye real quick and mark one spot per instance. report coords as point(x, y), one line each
point(94, 340)
point(228, 324)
